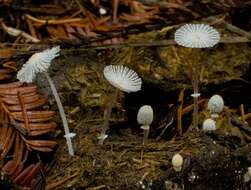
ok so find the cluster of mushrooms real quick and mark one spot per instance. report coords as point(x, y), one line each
point(123, 79)
point(215, 106)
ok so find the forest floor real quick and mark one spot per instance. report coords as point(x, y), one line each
point(138, 34)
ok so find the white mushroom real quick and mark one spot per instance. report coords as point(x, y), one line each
point(197, 36)
point(102, 11)
point(40, 62)
point(177, 162)
point(247, 175)
point(124, 79)
point(215, 105)
point(145, 118)
point(209, 125)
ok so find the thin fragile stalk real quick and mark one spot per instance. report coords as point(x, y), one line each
point(146, 134)
point(195, 96)
point(62, 115)
point(107, 116)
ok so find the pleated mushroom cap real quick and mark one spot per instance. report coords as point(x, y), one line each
point(197, 36)
point(123, 78)
point(38, 62)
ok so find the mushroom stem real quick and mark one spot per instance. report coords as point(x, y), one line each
point(146, 129)
point(68, 135)
point(195, 96)
point(107, 116)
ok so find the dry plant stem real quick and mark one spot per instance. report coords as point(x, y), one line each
point(162, 43)
point(179, 113)
point(62, 114)
point(196, 91)
point(115, 4)
point(107, 115)
point(242, 113)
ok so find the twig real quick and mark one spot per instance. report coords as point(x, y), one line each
point(52, 21)
point(237, 30)
point(87, 14)
point(31, 28)
point(168, 5)
point(163, 131)
point(242, 113)
point(162, 43)
point(247, 116)
point(115, 5)
point(190, 107)
point(16, 32)
point(58, 183)
point(179, 112)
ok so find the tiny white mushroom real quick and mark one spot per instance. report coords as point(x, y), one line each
point(215, 105)
point(145, 118)
point(177, 162)
point(209, 125)
point(247, 175)
point(196, 36)
point(102, 11)
point(124, 79)
point(40, 63)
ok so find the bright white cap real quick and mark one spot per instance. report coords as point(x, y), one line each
point(197, 36)
point(38, 62)
point(247, 175)
point(177, 162)
point(145, 115)
point(123, 78)
point(215, 105)
point(249, 171)
point(102, 11)
point(209, 125)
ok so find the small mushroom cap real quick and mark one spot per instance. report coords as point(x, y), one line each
point(197, 36)
point(209, 125)
point(177, 161)
point(145, 115)
point(102, 11)
point(247, 175)
point(38, 62)
point(123, 78)
point(215, 104)
point(249, 171)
